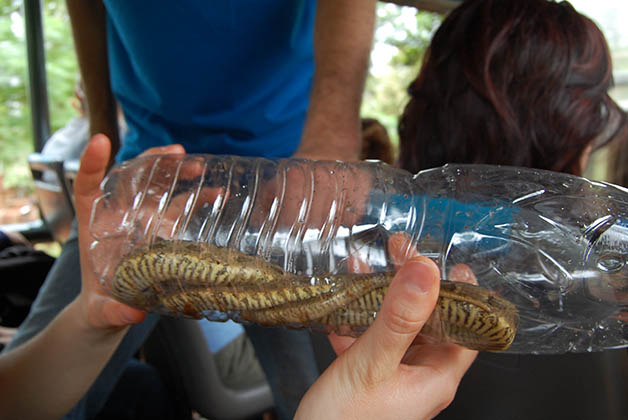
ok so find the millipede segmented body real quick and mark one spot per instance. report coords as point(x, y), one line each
point(192, 279)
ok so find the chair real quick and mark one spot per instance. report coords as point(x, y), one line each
point(70, 169)
point(178, 349)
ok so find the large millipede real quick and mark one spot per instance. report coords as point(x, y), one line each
point(192, 279)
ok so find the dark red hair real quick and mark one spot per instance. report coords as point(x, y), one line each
point(514, 82)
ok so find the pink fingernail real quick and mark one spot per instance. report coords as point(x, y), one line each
point(418, 273)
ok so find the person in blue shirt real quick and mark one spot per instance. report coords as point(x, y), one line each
point(277, 79)
point(270, 79)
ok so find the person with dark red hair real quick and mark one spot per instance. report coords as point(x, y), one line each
point(511, 82)
point(522, 83)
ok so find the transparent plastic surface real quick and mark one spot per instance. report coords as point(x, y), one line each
point(279, 232)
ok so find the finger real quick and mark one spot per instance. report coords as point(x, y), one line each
point(172, 149)
point(188, 167)
point(400, 248)
point(462, 273)
point(91, 172)
point(166, 159)
point(458, 358)
point(93, 167)
point(355, 264)
point(104, 312)
point(407, 306)
point(117, 314)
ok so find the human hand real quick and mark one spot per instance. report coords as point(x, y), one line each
point(385, 373)
point(99, 309)
point(400, 250)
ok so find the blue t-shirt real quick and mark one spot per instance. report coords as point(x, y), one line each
point(224, 77)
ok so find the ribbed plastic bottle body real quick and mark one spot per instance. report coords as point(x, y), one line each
point(306, 217)
point(551, 244)
point(315, 220)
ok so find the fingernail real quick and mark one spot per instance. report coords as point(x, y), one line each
point(418, 274)
point(460, 273)
point(128, 315)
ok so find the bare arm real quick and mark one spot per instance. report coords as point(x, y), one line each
point(90, 39)
point(343, 35)
point(45, 377)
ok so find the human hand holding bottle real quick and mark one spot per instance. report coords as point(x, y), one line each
point(100, 311)
point(384, 374)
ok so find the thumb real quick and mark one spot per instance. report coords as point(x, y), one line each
point(408, 304)
point(91, 172)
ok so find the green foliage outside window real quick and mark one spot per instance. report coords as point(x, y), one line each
point(405, 34)
point(15, 119)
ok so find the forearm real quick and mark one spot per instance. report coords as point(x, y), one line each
point(45, 377)
point(342, 42)
point(90, 39)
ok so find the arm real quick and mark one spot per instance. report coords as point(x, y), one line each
point(45, 377)
point(56, 367)
point(343, 34)
point(88, 20)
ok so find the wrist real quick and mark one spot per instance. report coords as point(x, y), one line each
point(328, 151)
point(331, 137)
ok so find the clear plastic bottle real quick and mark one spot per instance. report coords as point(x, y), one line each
point(553, 245)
